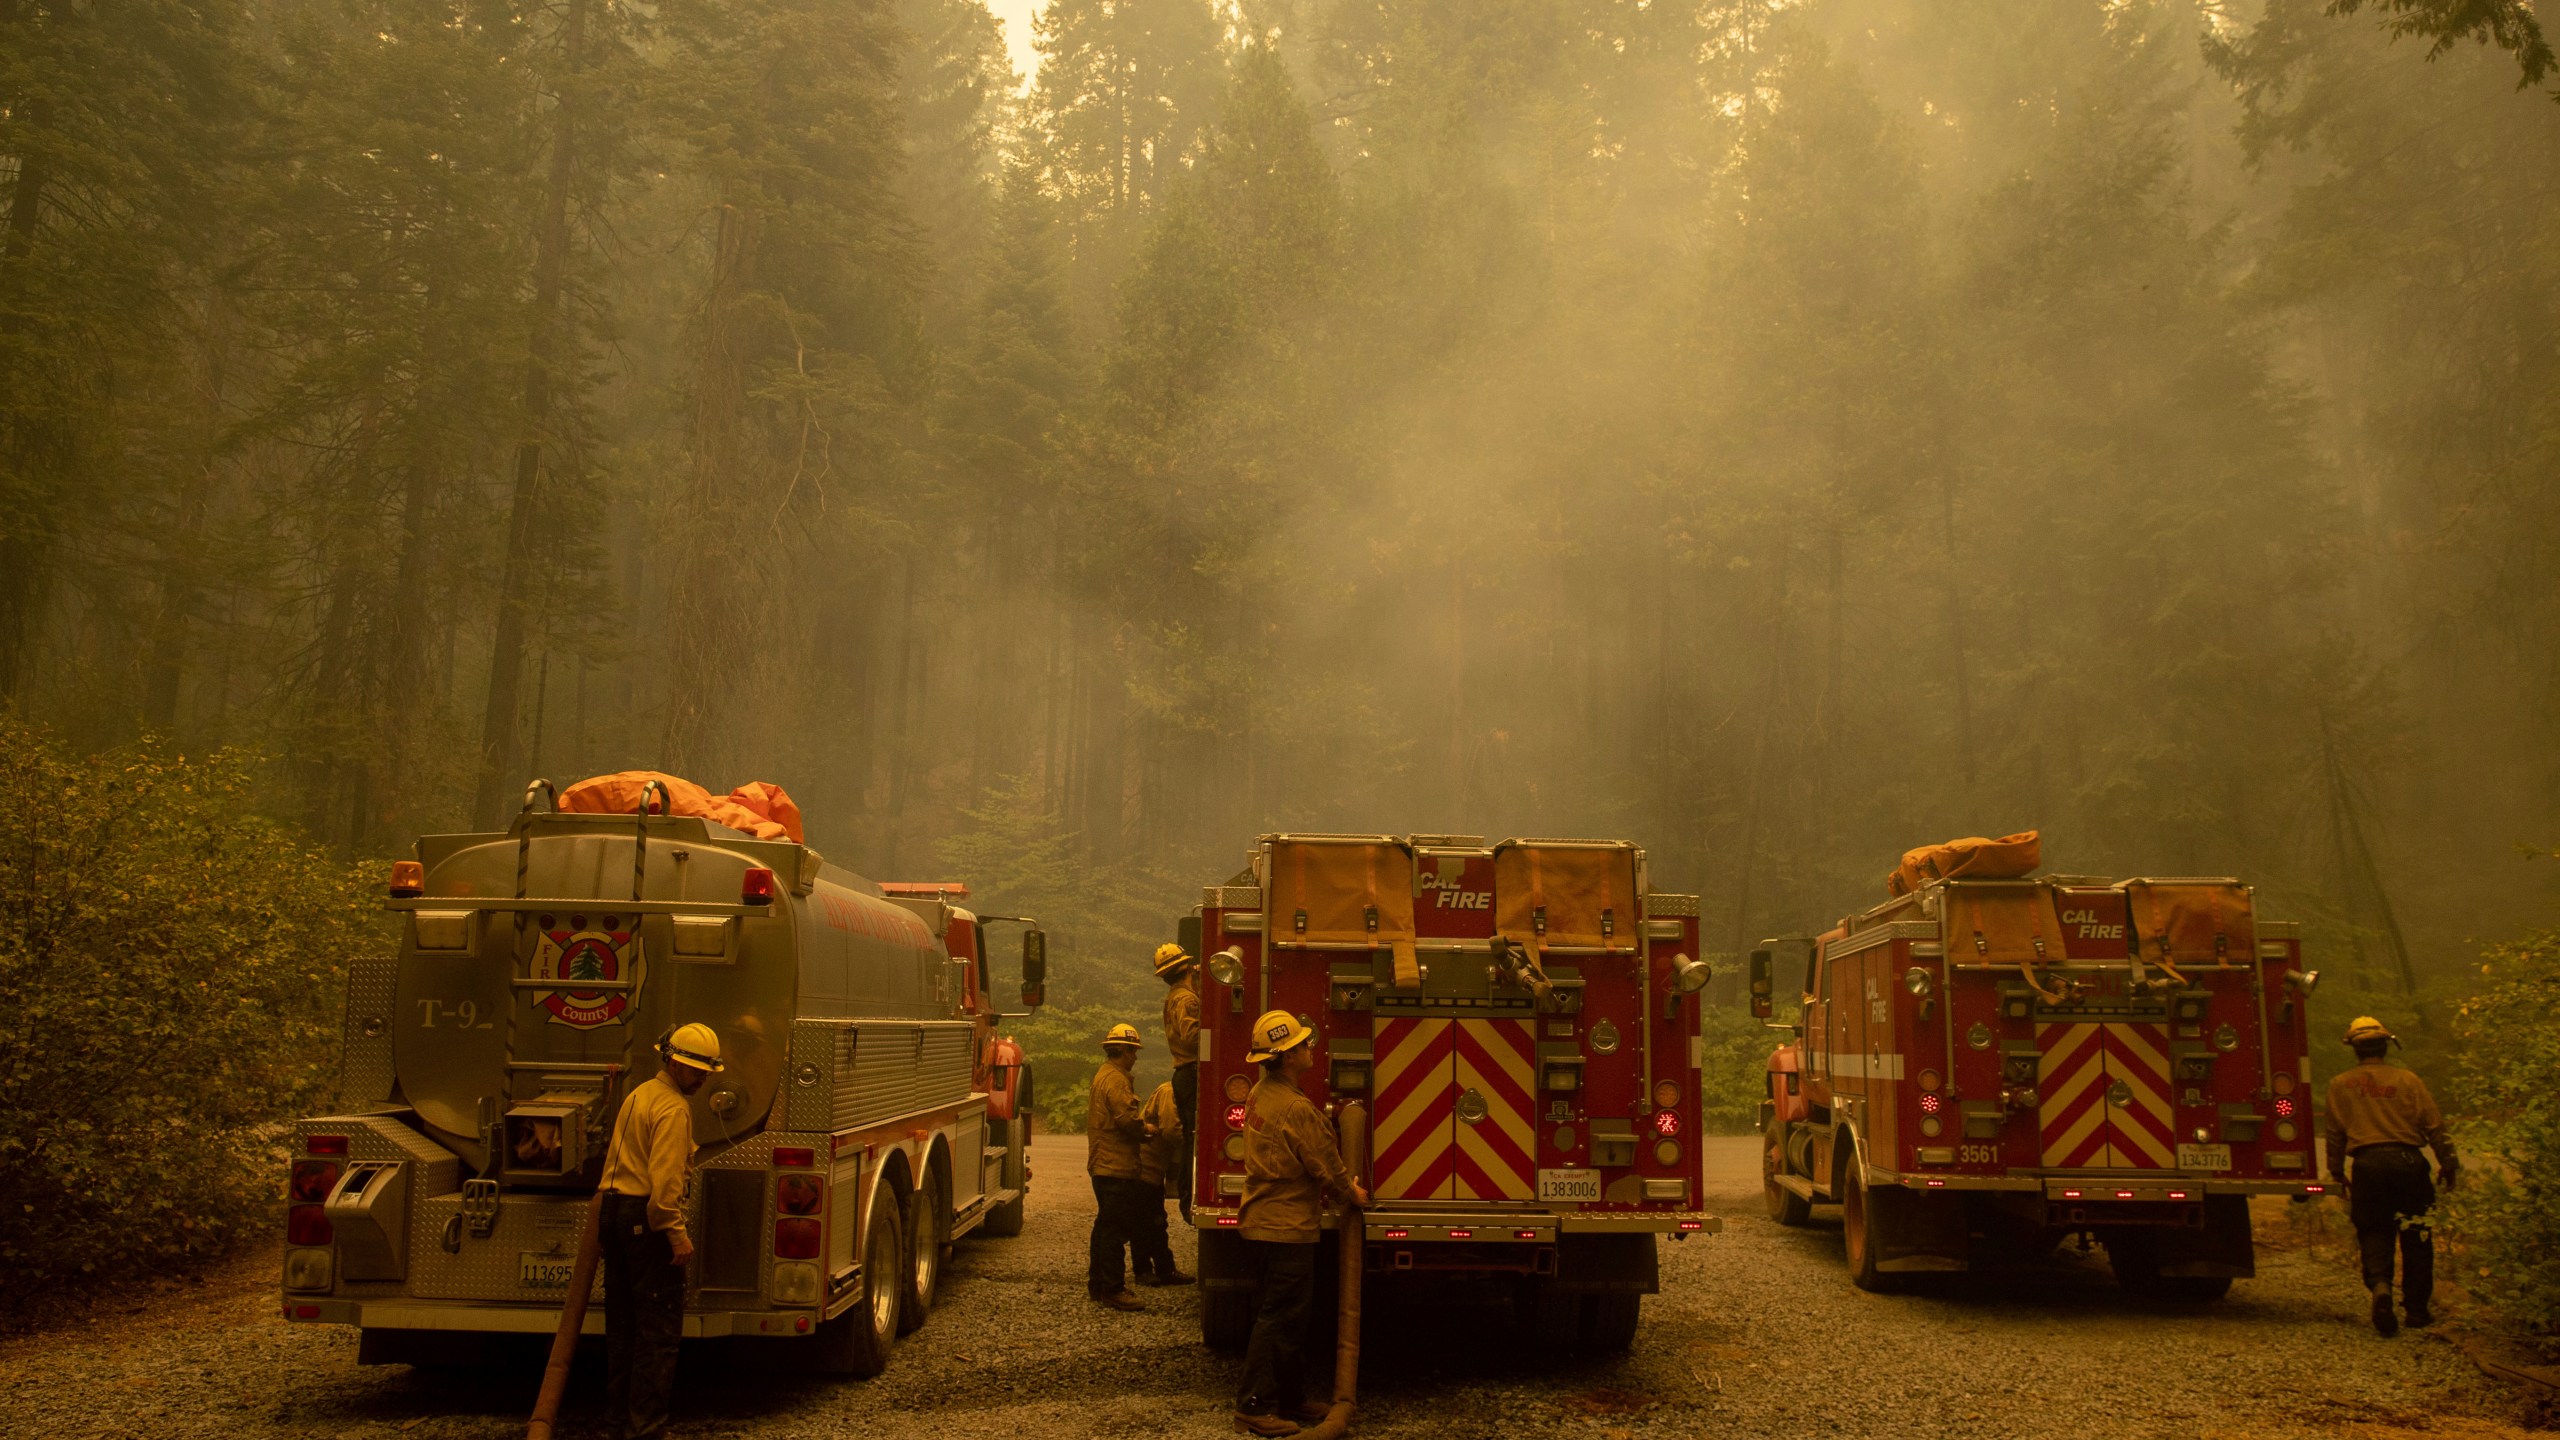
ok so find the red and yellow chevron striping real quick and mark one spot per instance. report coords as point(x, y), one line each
point(1456, 1109)
point(2103, 1095)
point(1498, 1146)
point(1416, 1063)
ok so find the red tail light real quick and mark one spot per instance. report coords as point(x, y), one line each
point(408, 879)
point(1235, 1117)
point(1931, 1104)
point(1398, 1234)
point(312, 1180)
point(1666, 1122)
point(799, 1194)
point(2285, 1105)
point(307, 1225)
point(798, 1156)
point(795, 1239)
point(757, 887)
point(326, 1144)
point(1462, 1234)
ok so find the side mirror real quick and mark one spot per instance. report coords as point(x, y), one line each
point(1763, 1003)
point(1035, 967)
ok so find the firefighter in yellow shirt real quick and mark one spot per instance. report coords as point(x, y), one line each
point(1290, 1160)
point(1164, 1156)
point(1181, 976)
point(645, 1243)
point(1114, 1131)
point(2379, 1116)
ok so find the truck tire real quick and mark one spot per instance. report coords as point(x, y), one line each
point(1785, 1206)
point(858, 1342)
point(928, 1217)
point(1858, 1235)
point(1609, 1321)
point(1549, 1320)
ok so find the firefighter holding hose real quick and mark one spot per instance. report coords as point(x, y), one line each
point(645, 1244)
point(2379, 1116)
point(1290, 1160)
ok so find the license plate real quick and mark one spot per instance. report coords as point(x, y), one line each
point(1569, 1185)
point(536, 1270)
point(2204, 1157)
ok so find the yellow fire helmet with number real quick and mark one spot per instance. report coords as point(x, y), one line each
point(1170, 960)
point(1277, 1032)
point(2365, 1028)
point(696, 1044)
point(1123, 1033)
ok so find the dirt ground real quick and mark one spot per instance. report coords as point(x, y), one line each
point(1756, 1332)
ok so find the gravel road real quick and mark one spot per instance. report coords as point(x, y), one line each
point(1756, 1332)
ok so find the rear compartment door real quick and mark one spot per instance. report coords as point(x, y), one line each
point(1455, 1109)
point(2103, 1091)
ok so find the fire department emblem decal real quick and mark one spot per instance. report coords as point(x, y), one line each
point(579, 952)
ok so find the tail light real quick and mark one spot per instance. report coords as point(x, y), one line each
point(756, 888)
point(799, 1194)
point(795, 1238)
point(312, 1180)
point(794, 1156)
point(408, 879)
point(1235, 1117)
point(1666, 1123)
point(1462, 1234)
point(2286, 1105)
point(326, 1144)
point(307, 1225)
point(1932, 1102)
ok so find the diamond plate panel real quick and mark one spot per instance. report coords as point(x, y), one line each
point(364, 1068)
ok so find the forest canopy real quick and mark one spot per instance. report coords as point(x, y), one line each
point(1779, 433)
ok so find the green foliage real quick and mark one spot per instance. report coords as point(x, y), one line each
point(2507, 1212)
point(174, 964)
point(1734, 1079)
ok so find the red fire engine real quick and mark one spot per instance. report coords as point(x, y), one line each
point(1520, 1018)
point(1991, 1066)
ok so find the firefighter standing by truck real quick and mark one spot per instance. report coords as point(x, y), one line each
point(1181, 975)
point(1114, 1132)
point(1291, 1158)
point(1151, 1251)
point(645, 1244)
point(2379, 1115)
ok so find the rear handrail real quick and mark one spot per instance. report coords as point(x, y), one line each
point(640, 847)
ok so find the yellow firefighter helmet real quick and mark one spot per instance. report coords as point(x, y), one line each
point(2365, 1028)
point(1170, 960)
point(695, 1044)
point(1277, 1032)
point(1123, 1033)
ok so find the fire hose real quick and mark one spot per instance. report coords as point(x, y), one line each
point(1352, 1125)
point(573, 1318)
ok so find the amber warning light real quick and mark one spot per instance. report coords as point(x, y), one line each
point(408, 879)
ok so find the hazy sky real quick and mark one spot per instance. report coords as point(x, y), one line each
point(1016, 15)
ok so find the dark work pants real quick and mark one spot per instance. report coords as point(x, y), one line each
point(1275, 1359)
point(643, 1319)
point(1150, 1239)
point(2389, 1199)
point(1186, 1103)
point(1120, 1206)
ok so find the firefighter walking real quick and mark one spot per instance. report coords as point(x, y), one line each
point(1290, 1160)
point(2380, 1115)
point(1115, 1132)
point(1181, 975)
point(646, 1246)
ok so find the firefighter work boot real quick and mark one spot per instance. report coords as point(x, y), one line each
point(2420, 1317)
point(1311, 1412)
point(2385, 1323)
point(1119, 1300)
point(1266, 1425)
point(1174, 1277)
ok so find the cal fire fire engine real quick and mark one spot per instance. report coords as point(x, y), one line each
point(1521, 1022)
point(868, 1116)
point(1988, 1066)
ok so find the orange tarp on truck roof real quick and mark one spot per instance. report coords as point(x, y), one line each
point(1574, 885)
point(2193, 922)
point(1331, 891)
point(758, 809)
point(2010, 857)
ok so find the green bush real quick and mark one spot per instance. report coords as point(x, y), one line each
point(172, 965)
point(2507, 1213)
point(1734, 1079)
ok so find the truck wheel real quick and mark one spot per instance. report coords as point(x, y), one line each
point(1785, 1206)
point(1609, 1322)
point(1549, 1320)
point(1858, 1235)
point(858, 1342)
point(927, 1213)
